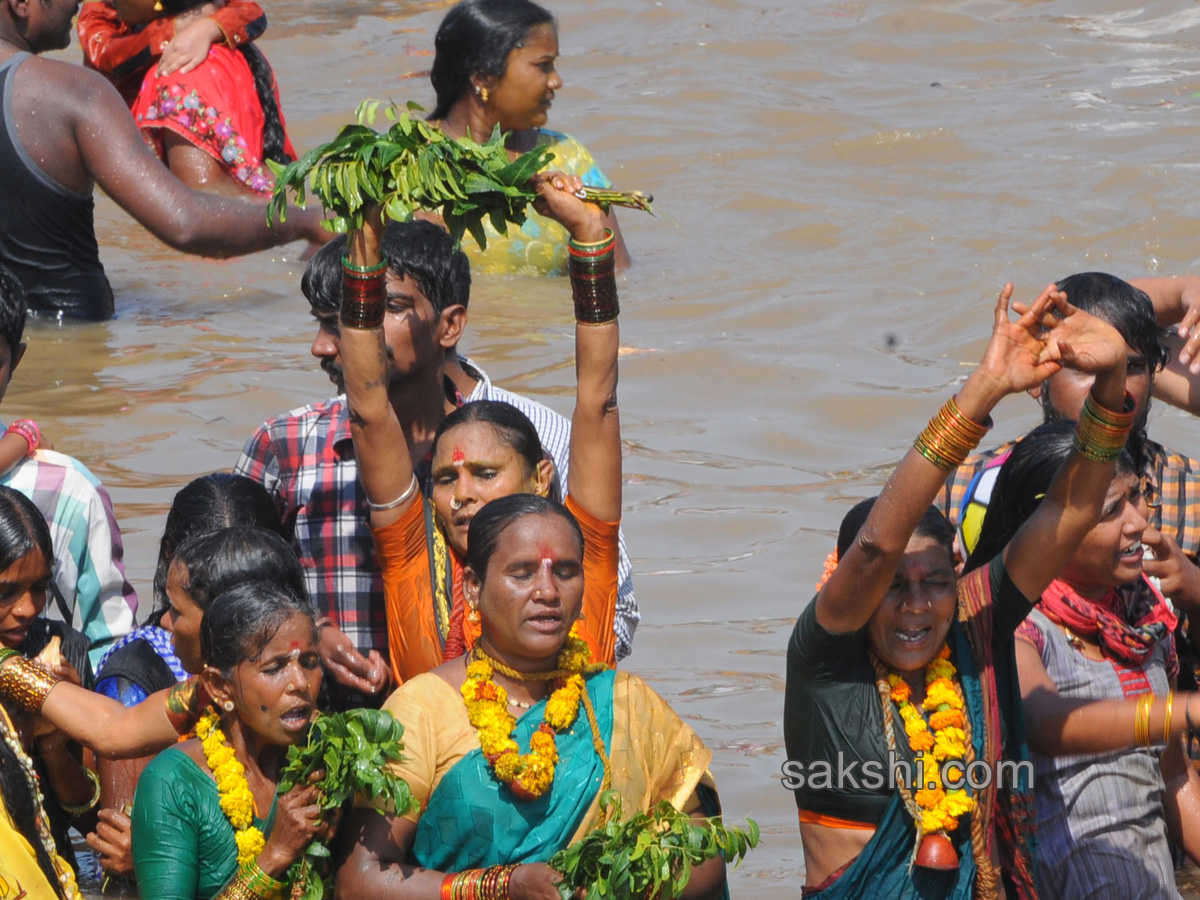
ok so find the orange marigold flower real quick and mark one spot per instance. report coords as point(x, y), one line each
point(831, 563)
point(946, 718)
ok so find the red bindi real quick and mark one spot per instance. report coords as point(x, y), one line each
point(458, 457)
point(295, 645)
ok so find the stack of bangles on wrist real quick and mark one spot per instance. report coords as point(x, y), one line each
point(593, 280)
point(25, 682)
point(950, 436)
point(252, 883)
point(478, 884)
point(364, 299)
point(28, 429)
point(1100, 433)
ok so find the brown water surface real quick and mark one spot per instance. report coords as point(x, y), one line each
point(842, 188)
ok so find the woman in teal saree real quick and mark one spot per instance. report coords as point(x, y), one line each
point(493, 812)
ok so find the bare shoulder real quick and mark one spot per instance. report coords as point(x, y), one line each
point(70, 88)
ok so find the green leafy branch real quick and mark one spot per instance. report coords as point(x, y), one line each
point(354, 749)
point(412, 166)
point(649, 855)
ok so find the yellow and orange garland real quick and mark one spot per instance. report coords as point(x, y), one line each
point(529, 775)
point(237, 800)
point(940, 809)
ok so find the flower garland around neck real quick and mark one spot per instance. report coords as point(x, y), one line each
point(940, 808)
point(237, 800)
point(528, 775)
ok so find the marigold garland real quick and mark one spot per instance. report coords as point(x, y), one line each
point(529, 773)
point(941, 808)
point(237, 800)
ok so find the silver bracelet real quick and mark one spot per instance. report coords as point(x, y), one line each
point(403, 498)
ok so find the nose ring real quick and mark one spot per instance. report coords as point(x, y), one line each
point(455, 504)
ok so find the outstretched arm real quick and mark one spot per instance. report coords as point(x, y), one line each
point(112, 151)
point(1013, 362)
point(594, 476)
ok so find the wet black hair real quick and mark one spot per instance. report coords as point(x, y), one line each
point(23, 529)
point(512, 427)
point(214, 562)
point(207, 504)
point(494, 519)
point(241, 621)
point(1023, 482)
point(932, 525)
point(1131, 312)
point(13, 309)
point(421, 250)
point(274, 137)
point(476, 37)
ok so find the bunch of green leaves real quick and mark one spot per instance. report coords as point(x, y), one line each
point(353, 748)
point(649, 855)
point(412, 166)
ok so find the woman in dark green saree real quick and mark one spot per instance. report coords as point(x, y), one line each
point(896, 660)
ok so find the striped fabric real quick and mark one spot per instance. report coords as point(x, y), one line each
point(89, 567)
point(305, 459)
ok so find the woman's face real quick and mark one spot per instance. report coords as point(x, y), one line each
point(472, 467)
point(183, 618)
point(23, 588)
point(275, 695)
point(1111, 554)
point(532, 592)
point(521, 97)
point(910, 626)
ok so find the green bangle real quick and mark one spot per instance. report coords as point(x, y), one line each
point(91, 804)
point(364, 271)
point(6, 653)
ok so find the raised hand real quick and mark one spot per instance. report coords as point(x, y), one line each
point(1178, 577)
point(557, 200)
point(1015, 358)
point(1080, 340)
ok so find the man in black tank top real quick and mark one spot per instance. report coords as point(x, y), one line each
point(63, 130)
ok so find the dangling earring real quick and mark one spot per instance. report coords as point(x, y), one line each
point(158, 5)
point(483, 95)
point(228, 704)
point(473, 614)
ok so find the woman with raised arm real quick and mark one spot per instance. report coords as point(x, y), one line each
point(482, 450)
point(897, 661)
point(1097, 665)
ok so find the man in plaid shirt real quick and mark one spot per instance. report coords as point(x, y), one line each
point(305, 457)
point(1172, 479)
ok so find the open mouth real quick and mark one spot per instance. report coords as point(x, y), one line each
point(910, 637)
point(296, 719)
point(1132, 553)
point(545, 622)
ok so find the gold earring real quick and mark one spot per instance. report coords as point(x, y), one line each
point(158, 5)
point(473, 614)
point(483, 95)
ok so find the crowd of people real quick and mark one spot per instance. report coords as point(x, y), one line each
point(1004, 642)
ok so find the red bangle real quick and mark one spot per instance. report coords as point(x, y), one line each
point(28, 429)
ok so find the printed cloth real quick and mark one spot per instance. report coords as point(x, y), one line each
point(305, 459)
point(539, 247)
point(89, 558)
point(216, 108)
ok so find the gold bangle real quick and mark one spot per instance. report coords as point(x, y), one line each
point(1141, 720)
point(91, 804)
point(1167, 723)
point(950, 436)
point(27, 683)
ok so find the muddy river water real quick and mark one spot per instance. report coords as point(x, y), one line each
point(842, 188)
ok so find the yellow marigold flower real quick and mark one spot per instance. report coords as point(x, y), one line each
point(249, 843)
point(933, 820)
point(916, 726)
point(507, 766)
point(946, 718)
point(544, 746)
point(939, 668)
point(910, 713)
point(958, 803)
point(479, 670)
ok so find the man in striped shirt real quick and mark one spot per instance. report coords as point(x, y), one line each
point(305, 457)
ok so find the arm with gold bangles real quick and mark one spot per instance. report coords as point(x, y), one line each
point(98, 722)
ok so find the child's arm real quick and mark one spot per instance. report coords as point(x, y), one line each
point(236, 24)
point(20, 440)
point(114, 48)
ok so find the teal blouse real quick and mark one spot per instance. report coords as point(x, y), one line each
point(183, 845)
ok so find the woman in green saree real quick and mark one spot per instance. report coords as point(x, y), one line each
point(206, 818)
point(509, 747)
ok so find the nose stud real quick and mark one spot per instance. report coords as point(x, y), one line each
point(455, 504)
